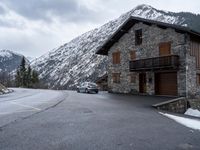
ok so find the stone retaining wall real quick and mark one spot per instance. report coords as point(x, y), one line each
point(179, 105)
point(194, 103)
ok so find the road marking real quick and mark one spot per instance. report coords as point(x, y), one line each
point(26, 106)
point(6, 113)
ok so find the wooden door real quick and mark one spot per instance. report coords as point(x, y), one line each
point(165, 49)
point(142, 82)
point(166, 83)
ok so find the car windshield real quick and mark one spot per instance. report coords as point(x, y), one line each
point(92, 84)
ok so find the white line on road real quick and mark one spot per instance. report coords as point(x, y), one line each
point(6, 113)
point(26, 106)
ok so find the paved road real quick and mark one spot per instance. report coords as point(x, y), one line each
point(99, 122)
point(25, 102)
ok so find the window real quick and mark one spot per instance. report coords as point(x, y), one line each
point(116, 57)
point(138, 37)
point(116, 77)
point(132, 55)
point(132, 78)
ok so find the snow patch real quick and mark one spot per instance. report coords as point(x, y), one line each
point(193, 112)
point(190, 123)
point(5, 53)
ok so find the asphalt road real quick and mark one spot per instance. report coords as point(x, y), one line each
point(25, 102)
point(77, 121)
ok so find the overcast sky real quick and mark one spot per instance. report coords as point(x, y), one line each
point(33, 27)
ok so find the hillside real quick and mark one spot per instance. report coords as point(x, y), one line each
point(9, 61)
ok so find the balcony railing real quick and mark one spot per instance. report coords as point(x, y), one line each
point(156, 63)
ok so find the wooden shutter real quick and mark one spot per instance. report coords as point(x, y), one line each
point(113, 58)
point(195, 51)
point(165, 49)
point(132, 55)
point(116, 57)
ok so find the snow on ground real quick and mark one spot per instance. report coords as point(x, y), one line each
point(190, 123)
point(193, 112)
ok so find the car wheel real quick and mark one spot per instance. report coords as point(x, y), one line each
point(86, 91)
point(97, 91)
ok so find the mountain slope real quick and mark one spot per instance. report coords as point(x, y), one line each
point(76, 61)
point(9, 61)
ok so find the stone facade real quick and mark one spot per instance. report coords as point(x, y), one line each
point(151, 37)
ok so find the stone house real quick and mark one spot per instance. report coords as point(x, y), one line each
point(153, 58)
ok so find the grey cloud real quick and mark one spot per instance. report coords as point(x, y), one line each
point(2, 10)
point(11, 24)
point(6, 24)
point(45, 10)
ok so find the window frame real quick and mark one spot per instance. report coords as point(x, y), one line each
point(138, 37)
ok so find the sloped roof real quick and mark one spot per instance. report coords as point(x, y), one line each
point(104, 77)
point(103, 50)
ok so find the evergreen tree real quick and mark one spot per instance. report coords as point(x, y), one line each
point(34, 77)
point(26, 77)
point(17, 78)
point(22, 71)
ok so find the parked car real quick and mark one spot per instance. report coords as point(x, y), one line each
point(88, 87)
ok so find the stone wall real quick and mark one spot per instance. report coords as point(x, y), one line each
point(190, 65)
point(152, 36)
point(194, 103)
point(179, 105)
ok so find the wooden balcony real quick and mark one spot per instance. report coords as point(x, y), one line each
point(170, 62)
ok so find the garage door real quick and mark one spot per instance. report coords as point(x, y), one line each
point(166, 83)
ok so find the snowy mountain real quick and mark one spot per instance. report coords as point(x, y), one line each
point(9, 61)
point(76, 61)
point(30, 59)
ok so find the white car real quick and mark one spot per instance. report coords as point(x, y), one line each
point(88, 87)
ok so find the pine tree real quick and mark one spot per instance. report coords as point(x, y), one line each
point(26, 77)
point(17, 78)
point(34, 77)
point(22, 74)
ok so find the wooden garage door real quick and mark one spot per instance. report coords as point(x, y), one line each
point(166, 83)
